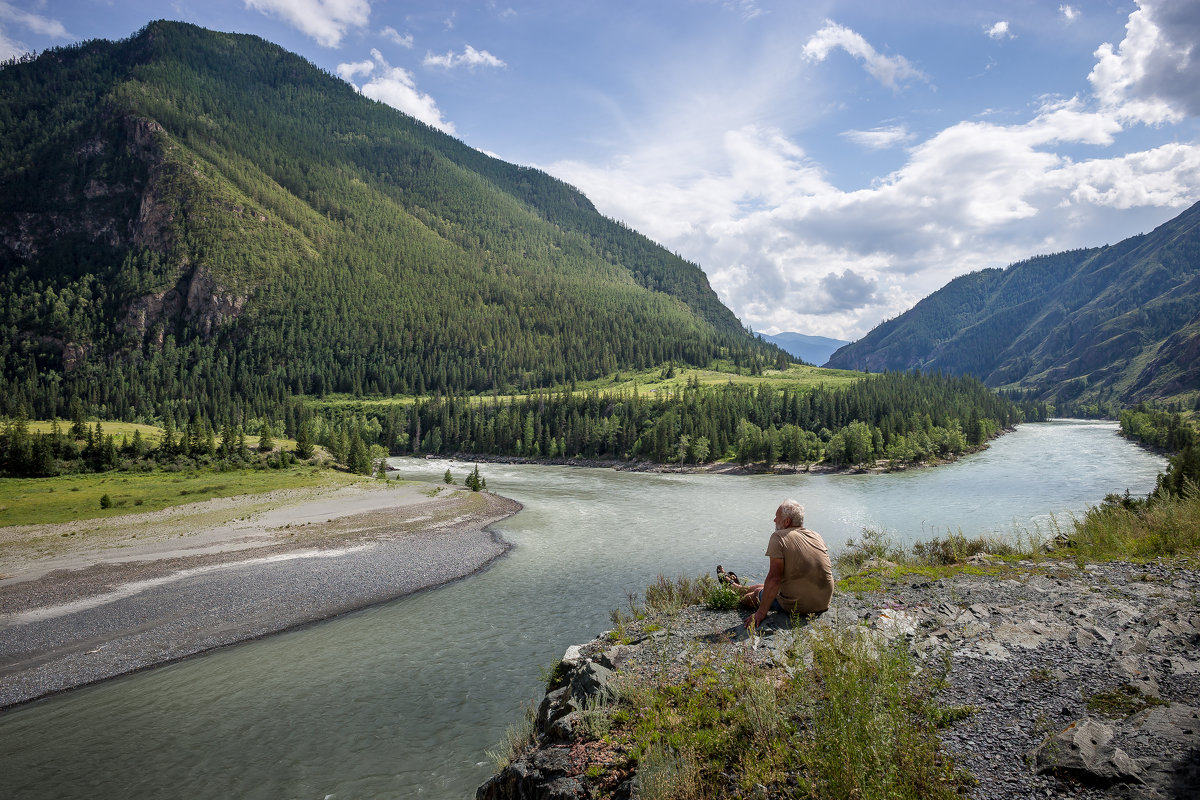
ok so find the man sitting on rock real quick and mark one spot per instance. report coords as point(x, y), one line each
point(800, 577)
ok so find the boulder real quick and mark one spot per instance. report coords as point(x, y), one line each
point(543, 777)
point(1083, 750)
point(554, 705)
point(591, 680)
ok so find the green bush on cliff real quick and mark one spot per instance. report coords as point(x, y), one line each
point(721, 598)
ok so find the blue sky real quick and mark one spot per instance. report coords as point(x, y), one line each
point(826, 163)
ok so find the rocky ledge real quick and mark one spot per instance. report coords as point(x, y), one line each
point(1085, 683)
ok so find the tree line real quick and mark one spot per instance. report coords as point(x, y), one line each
point(896, 416)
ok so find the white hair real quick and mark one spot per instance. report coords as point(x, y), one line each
point(793, 512)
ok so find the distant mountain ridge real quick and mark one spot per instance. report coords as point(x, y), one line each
point(815, 350)
point(199, 217)
point(1116, 323)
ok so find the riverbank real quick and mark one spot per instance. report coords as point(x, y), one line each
point(1058, 682)
point(89, 600)
point(878, 467)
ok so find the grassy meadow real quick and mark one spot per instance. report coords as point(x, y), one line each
point(64, 498)
point(647, 382)
point(152, 434)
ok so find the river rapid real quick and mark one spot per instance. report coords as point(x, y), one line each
point(403, 699)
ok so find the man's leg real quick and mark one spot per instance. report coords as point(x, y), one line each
point(750, 595)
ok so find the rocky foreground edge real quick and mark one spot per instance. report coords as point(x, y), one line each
point(1040, 649)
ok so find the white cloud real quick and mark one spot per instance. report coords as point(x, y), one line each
point(880, 138)
point(404, 40)
point(349, 72)
point(326, 21)
point(469, 58)
point(9, 48)
point(1070, 13)
point(396, 87)
point(747, 9)
point(788, 250)
point(35, 23)
point(891, 71)
point(1153, 75)
point(999, 30)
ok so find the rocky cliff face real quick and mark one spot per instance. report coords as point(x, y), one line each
point(196, 300)
point(138, 214)
point(1085, 682)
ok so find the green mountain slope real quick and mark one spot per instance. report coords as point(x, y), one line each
point(200, 215)
point(1115, 323)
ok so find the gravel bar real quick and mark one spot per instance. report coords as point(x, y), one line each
point(70, 628)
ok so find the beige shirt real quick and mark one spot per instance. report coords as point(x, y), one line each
point(807, 574)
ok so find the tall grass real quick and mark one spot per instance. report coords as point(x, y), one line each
point(667, 595)
point(1165, 526)
point(848, 720)
point(936, 552)
point(870, 728)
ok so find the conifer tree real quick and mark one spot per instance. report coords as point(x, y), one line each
point(266, 441)
point(304, 447)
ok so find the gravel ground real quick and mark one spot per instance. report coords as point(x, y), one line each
point(1035, 650)
point(69, 628)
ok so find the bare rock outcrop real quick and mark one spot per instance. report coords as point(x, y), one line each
point(1084, 683)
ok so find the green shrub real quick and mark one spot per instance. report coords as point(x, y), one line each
point(721, 598)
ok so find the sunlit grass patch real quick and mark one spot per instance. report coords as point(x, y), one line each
point(29, 501)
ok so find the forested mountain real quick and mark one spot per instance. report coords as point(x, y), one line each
point(814, 350)
point(1119, 323)
point(204, 217)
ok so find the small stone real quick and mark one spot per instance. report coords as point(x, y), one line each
point(573, 655)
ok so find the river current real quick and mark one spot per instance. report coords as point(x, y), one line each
point(403, 699)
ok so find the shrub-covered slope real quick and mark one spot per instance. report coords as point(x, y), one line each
point(201, 215)
point(1112, 323)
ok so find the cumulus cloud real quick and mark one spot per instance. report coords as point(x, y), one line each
point(469, 58)
point(846, 291)
point(891, 71)
point(396, 87)
point(789, 250)
point(35, 23)
point(1153, 75)
point(326, 21)
point(349, 72)
point(404, 40)
point(1070, 13)
point(880, 138)
point(998, 30)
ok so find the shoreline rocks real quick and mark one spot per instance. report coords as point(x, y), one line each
point(1083, 683)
